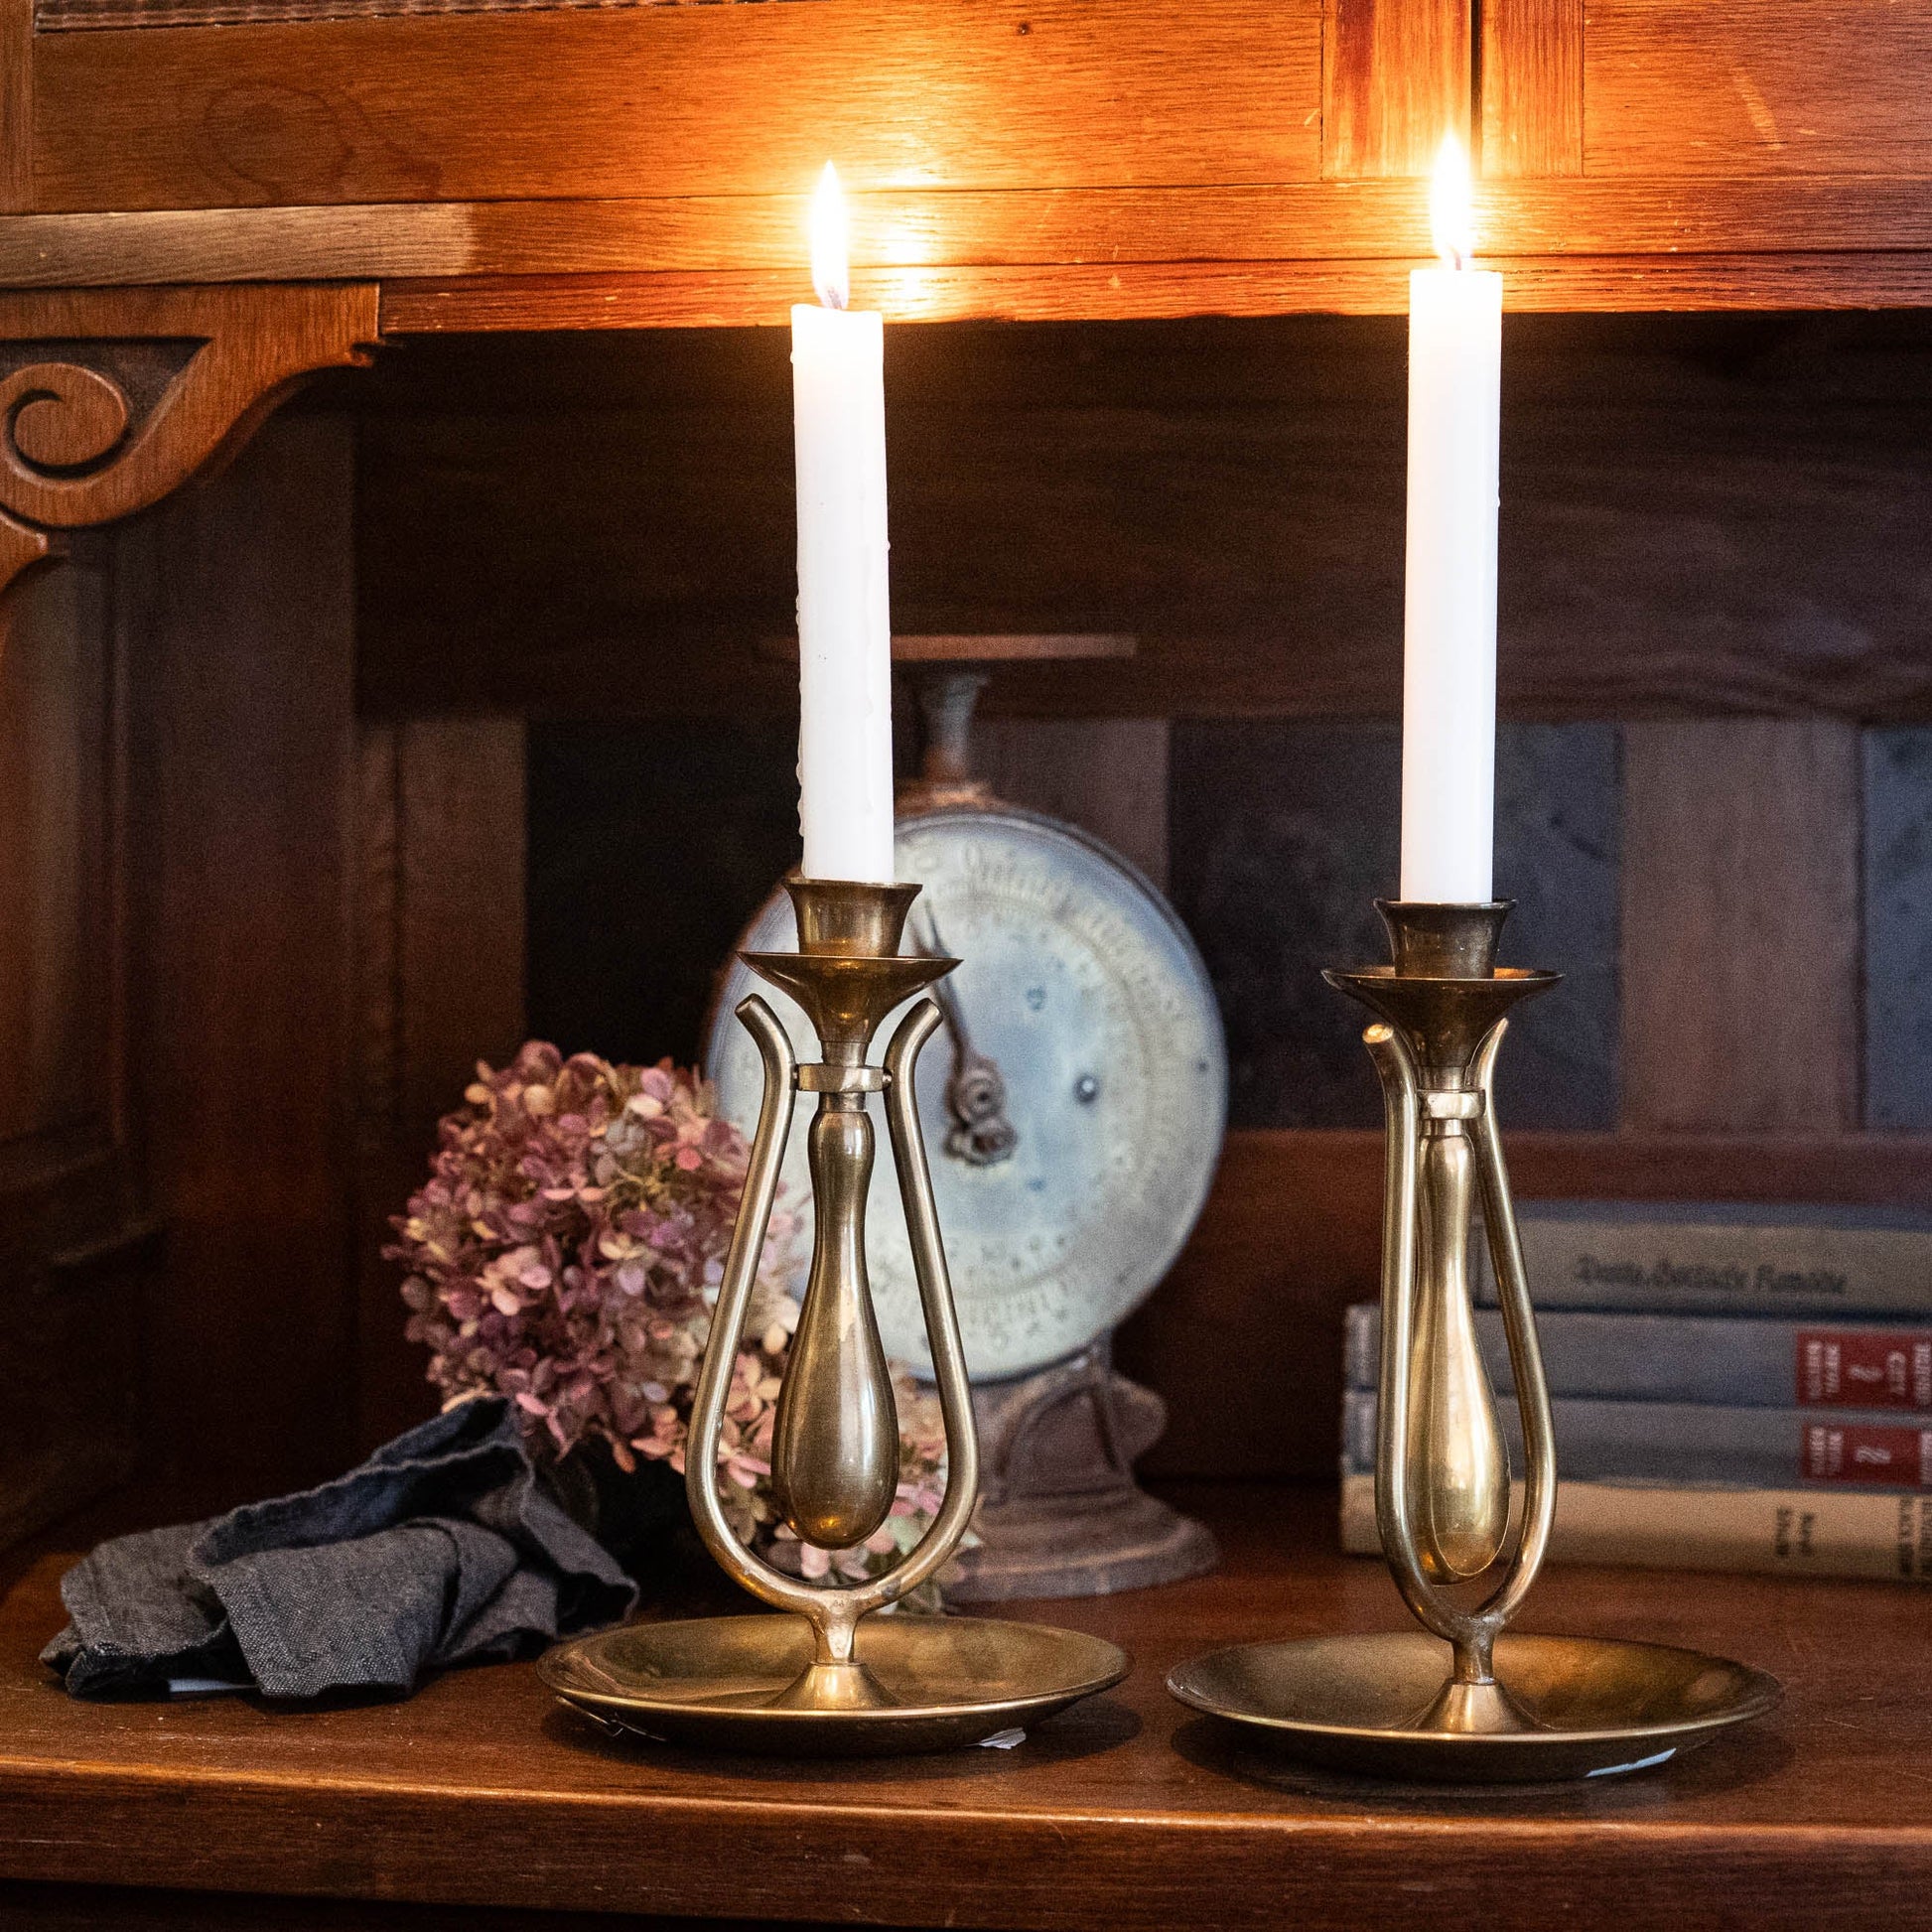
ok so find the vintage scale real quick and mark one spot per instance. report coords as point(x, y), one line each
point(1076, 1129)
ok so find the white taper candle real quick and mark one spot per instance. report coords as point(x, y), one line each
point(1448, 684)
point(845, 625)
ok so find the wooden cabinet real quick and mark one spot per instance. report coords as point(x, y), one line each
point(206, 200)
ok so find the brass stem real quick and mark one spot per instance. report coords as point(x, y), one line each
point(1458, 1468)
point(835, 1439)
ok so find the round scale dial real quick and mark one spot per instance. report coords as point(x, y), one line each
point(1064, 1207)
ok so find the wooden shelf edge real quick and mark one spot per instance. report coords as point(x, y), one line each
point(1148, 291)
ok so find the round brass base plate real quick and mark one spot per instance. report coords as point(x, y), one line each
point(716, 1682)
point(1356, 1704)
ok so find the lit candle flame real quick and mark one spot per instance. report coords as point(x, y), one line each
point(831, 265)
point(1452, 206)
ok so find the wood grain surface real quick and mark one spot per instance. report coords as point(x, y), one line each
point(1127, 1812)
point(1640, 283)
point(1108, 775)
point(660, 100)
point(1699, 517)
point(15, 106)
point(1531, 88)
point(1684, 89)
point(1102, 252)
point(752, 242)
point(1741, 934)
point(238, 615)
point(74, 1246)
point(1395, 77)
point(436, 927)
point(1068, 159)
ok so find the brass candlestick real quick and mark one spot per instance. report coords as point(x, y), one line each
point(799, 1681)
point(1563, 1706)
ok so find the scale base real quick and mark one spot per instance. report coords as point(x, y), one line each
point(1376, 1705)
point(1079, 1545)
point(743, 1683)
point(1060, 1513)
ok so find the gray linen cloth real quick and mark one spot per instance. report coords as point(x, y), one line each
point(442, 1548)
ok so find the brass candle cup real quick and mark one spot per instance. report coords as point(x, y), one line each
point(804, 1681)
point(1558, 1707)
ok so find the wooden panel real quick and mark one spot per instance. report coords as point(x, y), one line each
point(460, 956)
point(746, 247)
point(16, 105)
point(1531, 88)
point(1614, 283)
point(1740, 925)
point(58, 768)
point(239, 622)
point(93, 16)
point(1041, 93)
point(1244, 1340)
point(113, 1909)
point(1395, 78)
point(1699, 517)
point(73, 1355)
point(1125, 1814)
point(440, 955)
point(1108, 775)
point(116, 1909)
point(75, 1259)
point(1676, 87)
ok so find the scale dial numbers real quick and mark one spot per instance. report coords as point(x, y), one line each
point(1080, 985)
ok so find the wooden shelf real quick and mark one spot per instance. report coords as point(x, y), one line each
point(1125, 1813)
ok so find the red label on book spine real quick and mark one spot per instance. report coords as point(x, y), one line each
point(1864, 1368)
point(1897, 1456)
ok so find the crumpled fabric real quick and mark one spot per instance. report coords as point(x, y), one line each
point(442, 1548)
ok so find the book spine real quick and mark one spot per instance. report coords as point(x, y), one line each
point(1751, 1363)
point(1688, 1442)
point(1685, 1268)
point(1763, 1532)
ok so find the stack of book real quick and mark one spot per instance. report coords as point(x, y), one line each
point(1735, 1388)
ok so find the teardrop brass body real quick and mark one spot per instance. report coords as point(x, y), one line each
point(835, 1439)
point(1459, 1467)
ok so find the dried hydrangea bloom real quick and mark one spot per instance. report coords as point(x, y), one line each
point(566, 1252)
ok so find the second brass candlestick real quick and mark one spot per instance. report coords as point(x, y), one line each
point(823, 1679)
point(1495, 1706)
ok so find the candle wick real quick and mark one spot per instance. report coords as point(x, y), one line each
point(832, 298)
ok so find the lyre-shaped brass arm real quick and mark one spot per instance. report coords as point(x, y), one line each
point(835, 1439)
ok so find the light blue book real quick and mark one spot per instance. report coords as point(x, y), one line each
point(1722, 1258)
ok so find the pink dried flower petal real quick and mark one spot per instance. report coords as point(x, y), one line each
point(561, 1251)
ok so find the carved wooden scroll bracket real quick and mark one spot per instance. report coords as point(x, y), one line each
point(110, 398)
